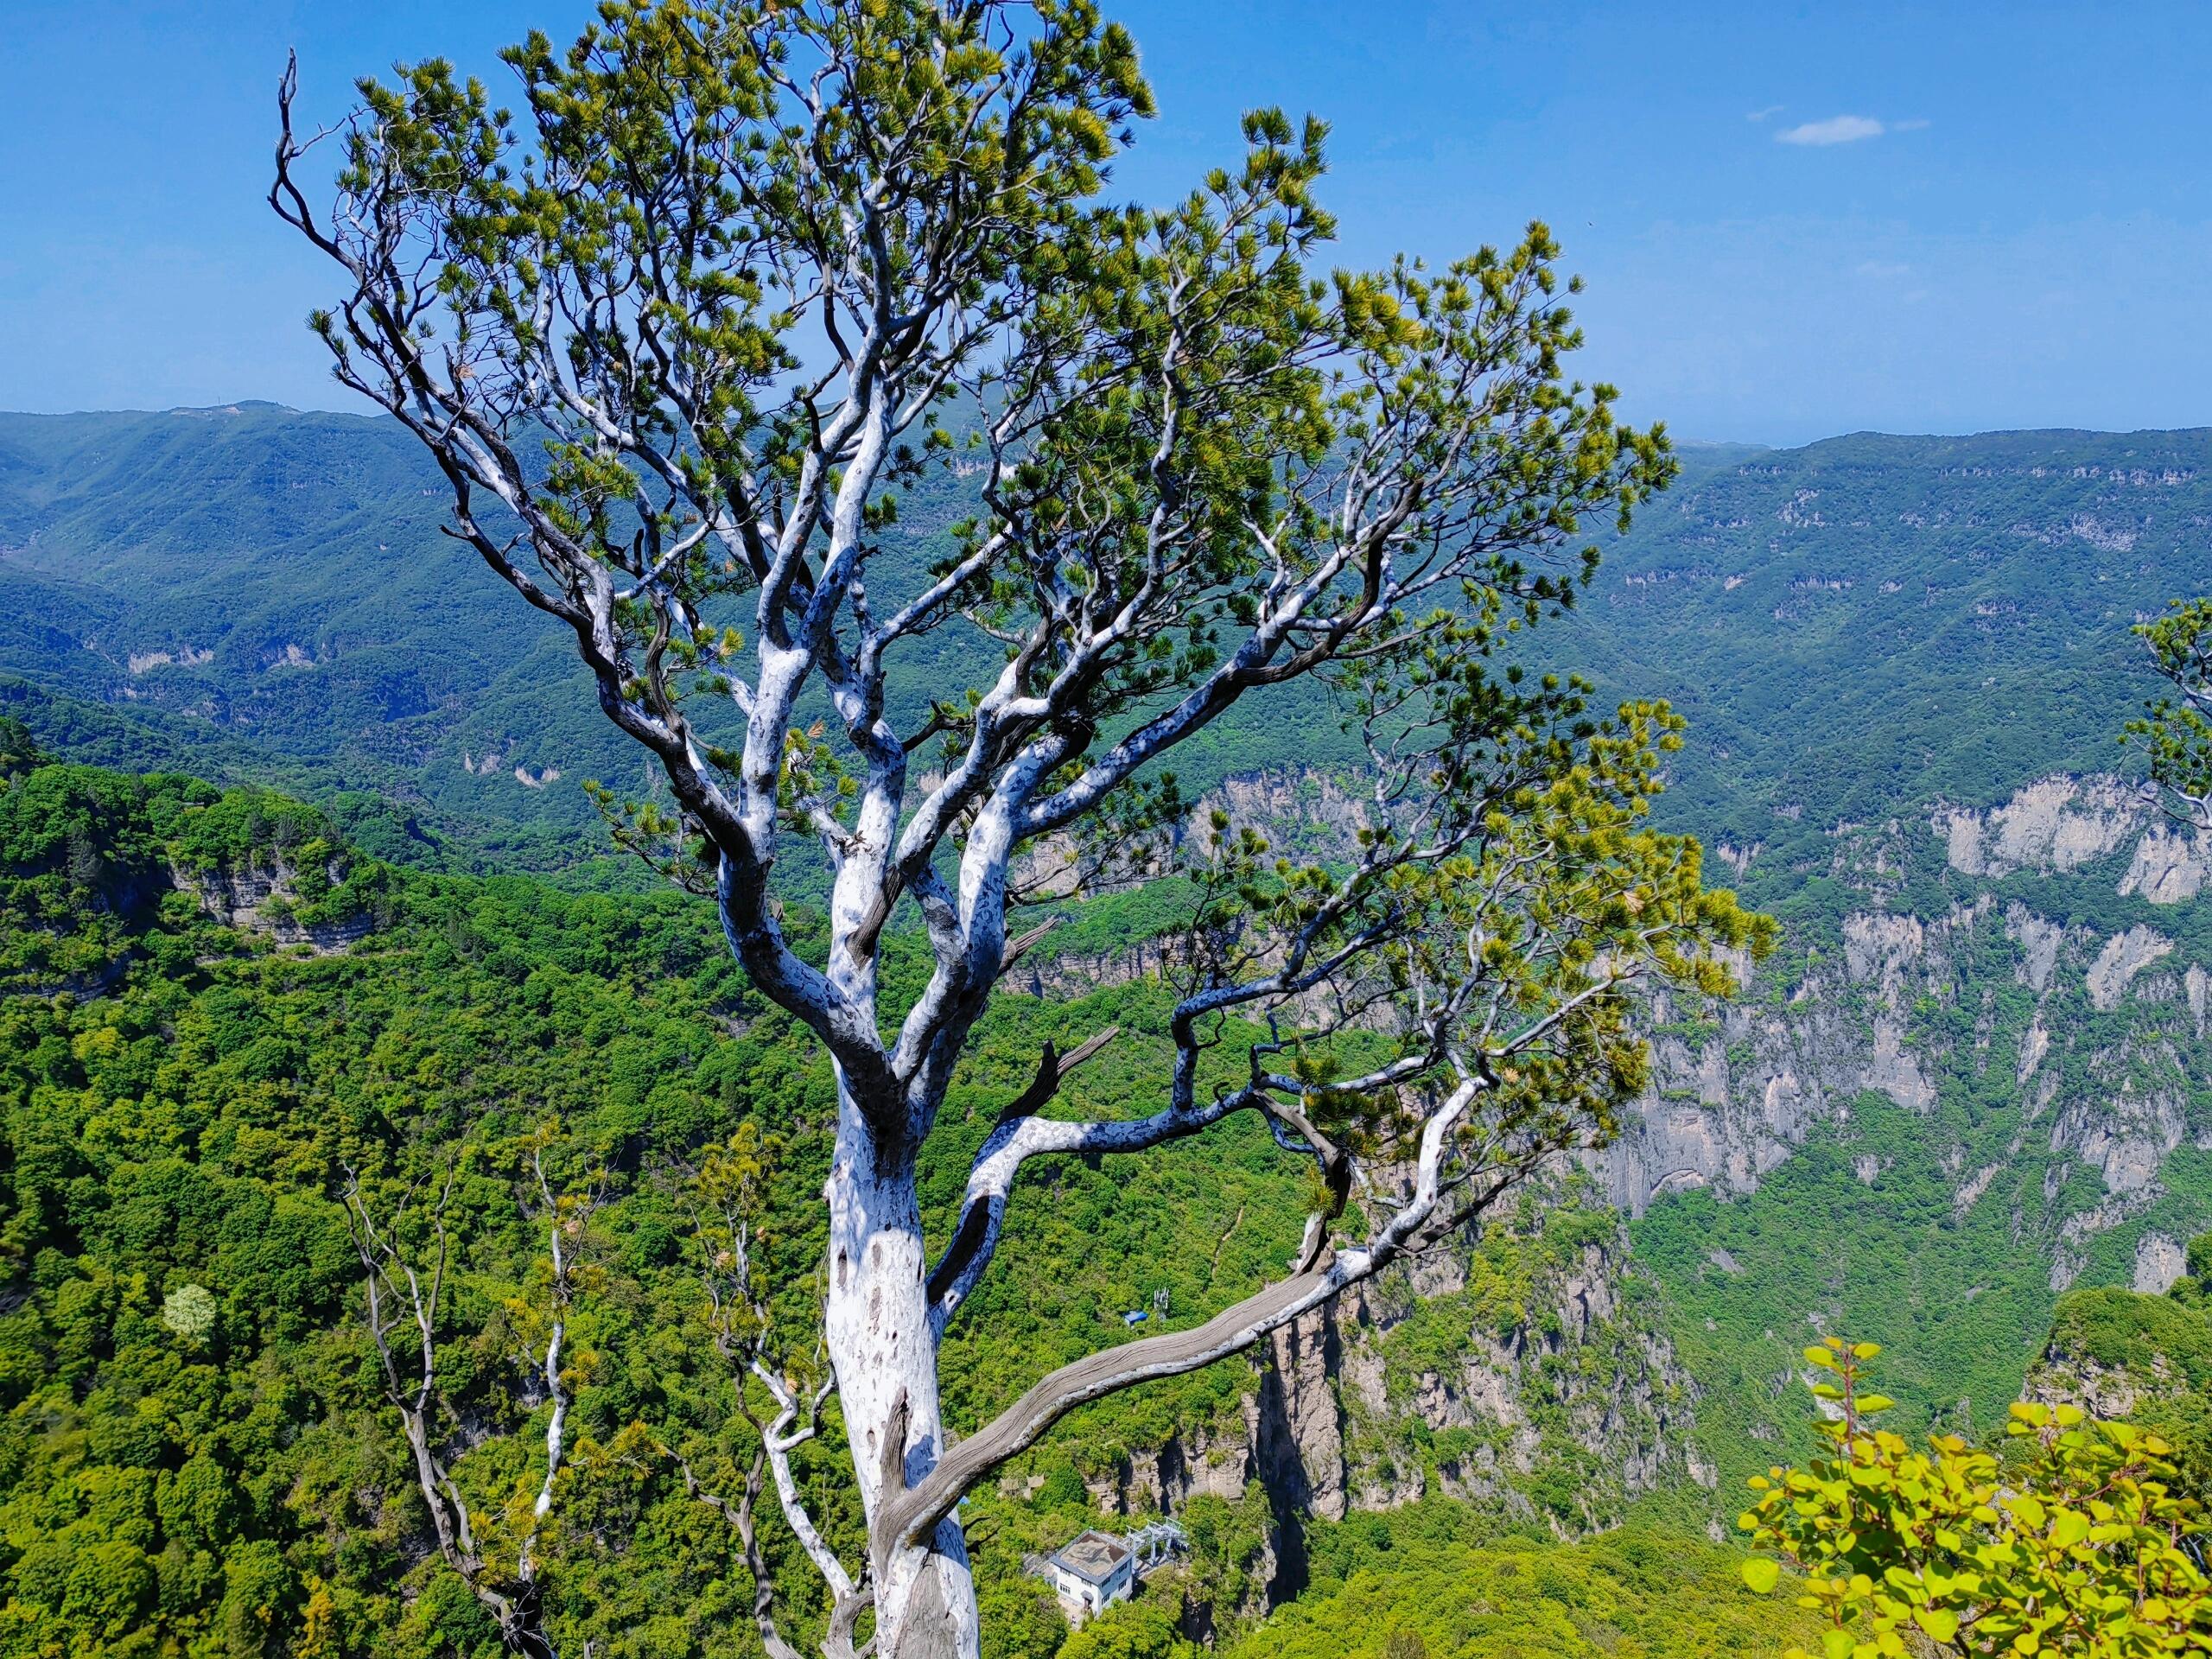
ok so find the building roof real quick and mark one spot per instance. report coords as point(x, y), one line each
point(1093, 1556)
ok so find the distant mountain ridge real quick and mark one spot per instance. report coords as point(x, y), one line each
point(273, 575)
point(1866, 619)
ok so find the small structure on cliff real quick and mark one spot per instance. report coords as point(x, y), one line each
point(1091, 1571)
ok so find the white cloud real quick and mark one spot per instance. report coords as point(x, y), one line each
point(1761, 115)
point(1836, 129)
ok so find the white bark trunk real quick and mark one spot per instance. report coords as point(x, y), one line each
point(876, 1327)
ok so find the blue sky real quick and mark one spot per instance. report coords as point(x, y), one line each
point(2009, 223)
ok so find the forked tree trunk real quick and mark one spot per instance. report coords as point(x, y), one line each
point(876, 1328)
point(1456, 451)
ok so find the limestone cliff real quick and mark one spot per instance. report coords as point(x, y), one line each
point(1524, 1367)
point(2101, 1022)
point(2025, 982)
point(281, 899)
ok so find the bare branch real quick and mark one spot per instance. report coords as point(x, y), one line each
point(396, 1293)
point(914, 1513)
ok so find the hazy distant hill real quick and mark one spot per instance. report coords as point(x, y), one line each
point(277, 580)
point(1861, 623)
point(1874, 621)
point(279, 577)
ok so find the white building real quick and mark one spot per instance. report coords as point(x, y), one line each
point(1091, 1573)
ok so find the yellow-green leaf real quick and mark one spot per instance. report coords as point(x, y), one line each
point(1761, 1575)
point(1940, 1622)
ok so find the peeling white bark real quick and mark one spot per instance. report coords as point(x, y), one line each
point(876, 1327)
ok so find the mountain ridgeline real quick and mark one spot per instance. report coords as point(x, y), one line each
point(1973, 1089)
point(1852, 626)
point(1857, 625)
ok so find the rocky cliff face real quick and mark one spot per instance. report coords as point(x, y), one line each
point(267, 898)
point(1872, 1008)
point(2061, 956)
point(2121, 1391)
point(1303, 813)
point(1523, 1368)
point(2026, 982)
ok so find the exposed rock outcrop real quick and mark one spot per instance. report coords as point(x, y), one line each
point(1736, 1088)
point(2124, 955)
point(265, 898)
point(2054, 823)
point(2166, 869)
point(2119, 1354)
point(2158, 1262)
point(1423, 1381)
point(2116, 1391)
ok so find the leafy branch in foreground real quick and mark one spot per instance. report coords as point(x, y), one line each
point(680, 335)
point(2075, 1545)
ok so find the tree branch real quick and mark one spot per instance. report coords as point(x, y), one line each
point(385, 1272)
point(912, 1514)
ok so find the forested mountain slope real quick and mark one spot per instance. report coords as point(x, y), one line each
point(1852, 626)
point(1872, 623)
point(217, 1018)
point(1977, 1074)
point(278, 579)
